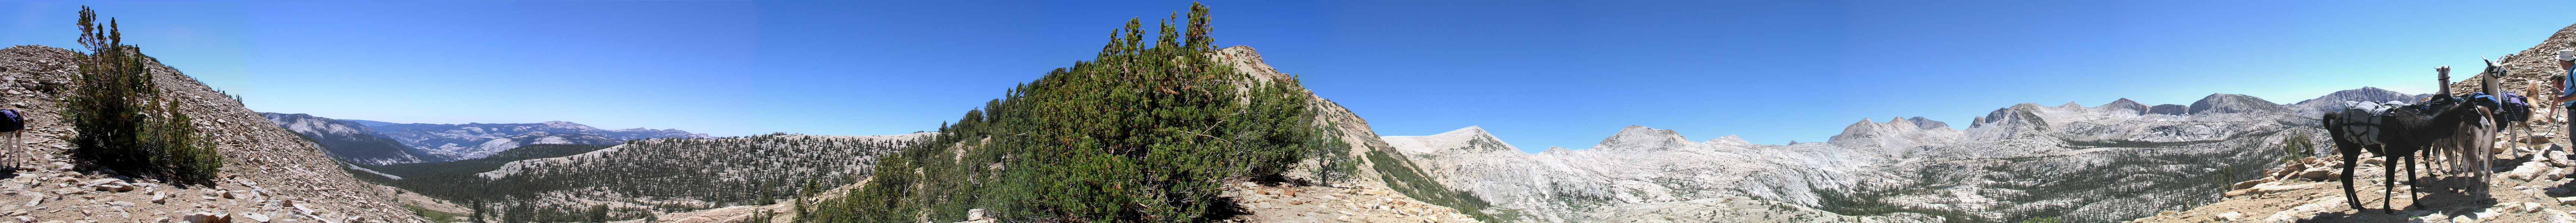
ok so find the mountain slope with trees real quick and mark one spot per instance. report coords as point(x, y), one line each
point(350, 141)
point(588, 183)
point(1167, 129)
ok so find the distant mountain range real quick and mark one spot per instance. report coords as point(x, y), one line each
point(350, 140)
point(2120, 160)
point(385, 143)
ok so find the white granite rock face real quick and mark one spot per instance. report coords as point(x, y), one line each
point(2117, 161)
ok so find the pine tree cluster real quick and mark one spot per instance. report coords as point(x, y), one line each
point(124, 122)
point(1147, 132)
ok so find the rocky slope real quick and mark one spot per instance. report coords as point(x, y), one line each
point(1368, 183)
point(476, 140)
point(2087, 164)
point(269, 173)
point(350, 140)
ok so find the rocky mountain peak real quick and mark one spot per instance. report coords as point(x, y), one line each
point(1900, 121)
point(2019, 119)
point(1635, 136)
point(2233, 103)
point(1927, 124)
point(2008, 114)
point(1463, 140)
point(1468, 130)
point(1865, 125)
point(2125, 103)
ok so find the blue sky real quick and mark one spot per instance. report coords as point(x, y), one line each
point(1536, 73)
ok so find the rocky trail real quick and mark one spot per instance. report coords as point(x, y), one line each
point(2535, 188)
point(1290, 203)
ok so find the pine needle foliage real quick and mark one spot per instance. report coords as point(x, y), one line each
point(124, 122)
point(1149, 131)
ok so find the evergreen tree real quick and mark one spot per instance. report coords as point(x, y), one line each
point(121, 116)
point(599, 213)
point(1146, 132)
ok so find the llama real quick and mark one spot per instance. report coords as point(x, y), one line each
point(2399, 136)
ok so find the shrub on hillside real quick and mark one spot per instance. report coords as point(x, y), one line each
point(123, 121)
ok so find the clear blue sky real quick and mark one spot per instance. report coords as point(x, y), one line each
point(1536, 73)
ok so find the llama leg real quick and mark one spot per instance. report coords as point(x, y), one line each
point(2348, 158)
point(2412, 184)
point(2485, 152)
point(2389, 172)
point(2478, 162)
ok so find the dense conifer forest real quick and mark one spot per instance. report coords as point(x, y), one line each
point(1146, 132)
point(656, 175)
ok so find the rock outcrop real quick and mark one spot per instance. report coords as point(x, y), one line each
point(268, 172)
point(2126, 104)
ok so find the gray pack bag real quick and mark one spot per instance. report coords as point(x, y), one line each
point(2360, 121)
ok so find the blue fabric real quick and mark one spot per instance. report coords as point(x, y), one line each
point(2567, 87)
